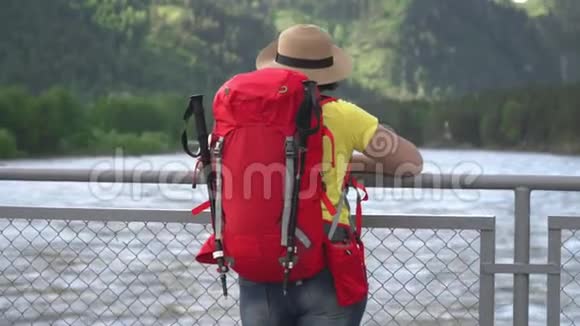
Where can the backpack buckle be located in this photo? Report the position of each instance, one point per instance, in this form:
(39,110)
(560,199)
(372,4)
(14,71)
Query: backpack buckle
(217,149)
(289,147)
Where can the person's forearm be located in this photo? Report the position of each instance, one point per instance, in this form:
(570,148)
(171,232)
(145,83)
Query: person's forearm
(362,163)
(405,161)
(388,153)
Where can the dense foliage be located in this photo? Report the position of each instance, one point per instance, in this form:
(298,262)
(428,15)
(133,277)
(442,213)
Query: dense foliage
(57,122)
(85,76)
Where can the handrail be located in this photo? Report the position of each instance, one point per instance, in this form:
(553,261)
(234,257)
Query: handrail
(520,185)
(427,180)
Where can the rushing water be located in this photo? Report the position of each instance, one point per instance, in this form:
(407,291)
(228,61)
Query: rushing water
(472,202)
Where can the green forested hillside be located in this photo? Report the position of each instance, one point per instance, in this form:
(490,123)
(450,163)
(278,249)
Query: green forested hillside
(102,72)
(96,47)
(403,48)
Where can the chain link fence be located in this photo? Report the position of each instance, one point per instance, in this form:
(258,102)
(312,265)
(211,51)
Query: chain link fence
(423,277)
(570,278)
(60,272)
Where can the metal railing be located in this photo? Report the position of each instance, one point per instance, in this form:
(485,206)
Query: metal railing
(83,266)
(422,268)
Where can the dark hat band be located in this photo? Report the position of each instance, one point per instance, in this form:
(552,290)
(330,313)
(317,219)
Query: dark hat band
(304,63)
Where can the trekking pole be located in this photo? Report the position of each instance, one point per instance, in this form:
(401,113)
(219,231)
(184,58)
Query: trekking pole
(303,122)
(204,156)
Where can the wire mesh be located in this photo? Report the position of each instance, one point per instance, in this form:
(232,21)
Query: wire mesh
(570,278)
(423,277)
(143,273)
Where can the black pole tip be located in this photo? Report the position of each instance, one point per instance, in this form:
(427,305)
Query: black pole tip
(196,97)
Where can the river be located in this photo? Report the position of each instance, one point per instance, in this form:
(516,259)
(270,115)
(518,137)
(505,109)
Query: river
(473,202)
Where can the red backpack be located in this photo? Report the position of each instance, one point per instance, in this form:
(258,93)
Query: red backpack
(266,157)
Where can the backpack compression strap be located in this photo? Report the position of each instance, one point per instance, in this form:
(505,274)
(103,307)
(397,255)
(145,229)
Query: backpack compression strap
(290,150)
(356,224)
(308,109)
(288,186)
(337,212)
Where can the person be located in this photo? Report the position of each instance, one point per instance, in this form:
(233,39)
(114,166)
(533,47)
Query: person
(309,49)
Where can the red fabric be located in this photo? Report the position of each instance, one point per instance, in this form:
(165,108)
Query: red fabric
(201,207)
(346,262)
(255,112)
(358,217)
(360,186)
(205,254)
(327,99)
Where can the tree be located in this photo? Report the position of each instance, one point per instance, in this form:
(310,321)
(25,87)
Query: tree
(8,147)
(568,14)
(513,121)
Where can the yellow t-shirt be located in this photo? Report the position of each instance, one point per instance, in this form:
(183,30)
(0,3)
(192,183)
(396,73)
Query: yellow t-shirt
(352,128)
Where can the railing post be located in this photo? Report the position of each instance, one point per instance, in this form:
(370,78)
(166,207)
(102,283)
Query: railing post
(521,256)
(554,257)
(487,280)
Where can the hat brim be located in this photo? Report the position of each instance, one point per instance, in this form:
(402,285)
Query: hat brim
(340,70)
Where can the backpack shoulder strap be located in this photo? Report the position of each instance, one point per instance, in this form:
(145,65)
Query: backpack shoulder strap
(327,99)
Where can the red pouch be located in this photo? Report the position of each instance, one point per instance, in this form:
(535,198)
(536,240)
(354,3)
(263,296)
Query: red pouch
(346,262)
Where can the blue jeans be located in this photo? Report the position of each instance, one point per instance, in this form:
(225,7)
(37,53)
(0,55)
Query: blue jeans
(312,302)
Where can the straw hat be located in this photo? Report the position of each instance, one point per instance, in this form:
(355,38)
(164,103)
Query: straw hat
(309,49)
